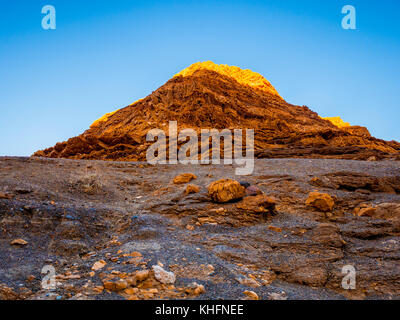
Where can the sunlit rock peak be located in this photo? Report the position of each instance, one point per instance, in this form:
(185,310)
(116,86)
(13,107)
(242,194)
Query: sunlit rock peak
(338,122)
(246,77)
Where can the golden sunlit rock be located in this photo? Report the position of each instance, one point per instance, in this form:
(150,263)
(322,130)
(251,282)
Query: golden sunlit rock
(338,122)
(103,118)
(246,77)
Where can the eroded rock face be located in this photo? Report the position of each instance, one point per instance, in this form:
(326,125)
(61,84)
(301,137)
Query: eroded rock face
(184,178)
(211,96)
(320,201)
(358,181)
(225,190)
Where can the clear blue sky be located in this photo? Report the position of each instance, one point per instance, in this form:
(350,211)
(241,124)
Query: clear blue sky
(105,55)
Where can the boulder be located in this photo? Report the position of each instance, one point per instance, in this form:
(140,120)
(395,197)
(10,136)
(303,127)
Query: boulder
(225,190)
(320,201)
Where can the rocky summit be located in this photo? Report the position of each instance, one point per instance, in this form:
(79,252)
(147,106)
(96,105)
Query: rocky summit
(211,96)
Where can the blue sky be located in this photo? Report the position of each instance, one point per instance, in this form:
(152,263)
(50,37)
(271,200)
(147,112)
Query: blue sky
(105,55)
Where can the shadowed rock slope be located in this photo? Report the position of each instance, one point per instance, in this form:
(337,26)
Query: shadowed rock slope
(207,95)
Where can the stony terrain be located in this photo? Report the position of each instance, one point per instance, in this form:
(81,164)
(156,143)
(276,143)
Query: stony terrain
(124,230)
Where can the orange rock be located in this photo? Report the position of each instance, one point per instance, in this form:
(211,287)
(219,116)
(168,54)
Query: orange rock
(225,190)
(135,254)
(5,195)
(369,212)
(109,285)
(257,204)
(131,291)
(321,201)
(99,265)
(252,295)
(276,229)
(184,178)
(142,275)
(199,290)
(192,189)
(19,242)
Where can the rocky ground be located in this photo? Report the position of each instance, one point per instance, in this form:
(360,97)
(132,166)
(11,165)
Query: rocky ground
(123,230)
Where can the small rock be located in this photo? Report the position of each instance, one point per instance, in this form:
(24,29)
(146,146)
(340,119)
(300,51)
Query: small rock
(277,296)
(142,275)
(99,265)
(328,234)
(369,212)
(245,184)
(199,290)
(121,285)
(19,242)
(225,190)
(253,191)
(251,294)
(195,289)
(192,189)
(31,278)
(249,282)
(189,227)
(276,229)
(184,178)
(258,204)
(163,276)
(131,291)
(23,191)
(320,201)
(6,195)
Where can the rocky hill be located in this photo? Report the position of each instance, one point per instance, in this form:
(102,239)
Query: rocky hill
(207,95)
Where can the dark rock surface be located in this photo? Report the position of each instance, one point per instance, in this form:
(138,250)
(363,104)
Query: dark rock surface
(132,216)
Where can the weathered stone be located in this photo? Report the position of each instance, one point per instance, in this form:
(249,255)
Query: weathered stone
(163,276)
(99,265)
(251,295)
(19,242)
(277,296)
(328,234)
(6,195)
(253,191)
(321,201)
(184,178)
(121,284)
(142,275)
(257,204)
(250,282)
(192,189)
(225,190)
